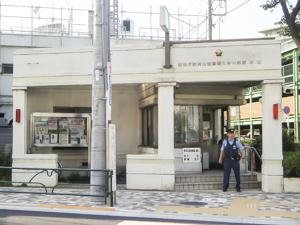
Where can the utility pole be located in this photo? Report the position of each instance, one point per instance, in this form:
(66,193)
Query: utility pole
(210,20)
(99,93)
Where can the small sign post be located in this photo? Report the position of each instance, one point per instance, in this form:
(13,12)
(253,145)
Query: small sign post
(287,111)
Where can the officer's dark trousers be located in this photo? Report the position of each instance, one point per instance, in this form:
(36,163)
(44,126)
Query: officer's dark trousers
(235,165)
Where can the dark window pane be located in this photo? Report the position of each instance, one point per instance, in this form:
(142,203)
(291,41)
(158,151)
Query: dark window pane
(149,126)
(7,68)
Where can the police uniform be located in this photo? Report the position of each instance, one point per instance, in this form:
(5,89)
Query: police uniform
(231,148)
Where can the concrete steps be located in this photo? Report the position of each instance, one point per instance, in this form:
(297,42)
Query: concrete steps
(213,181)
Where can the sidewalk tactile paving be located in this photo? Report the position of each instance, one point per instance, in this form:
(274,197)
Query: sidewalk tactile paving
(247,204)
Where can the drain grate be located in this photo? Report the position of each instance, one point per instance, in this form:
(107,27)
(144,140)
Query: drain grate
(194,203)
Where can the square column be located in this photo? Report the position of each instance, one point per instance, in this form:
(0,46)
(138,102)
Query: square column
(19,152)
(166,120)
(272,170)
(20,128)
(156,171)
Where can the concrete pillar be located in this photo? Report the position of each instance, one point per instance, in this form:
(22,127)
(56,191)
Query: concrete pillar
(166,120)
(272,170)
(20,128)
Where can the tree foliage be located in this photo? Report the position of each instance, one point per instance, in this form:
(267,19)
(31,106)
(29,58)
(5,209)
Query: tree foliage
(290,17)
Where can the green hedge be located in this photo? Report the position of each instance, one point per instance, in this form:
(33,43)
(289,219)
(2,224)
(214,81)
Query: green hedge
(291,164)
(5,160)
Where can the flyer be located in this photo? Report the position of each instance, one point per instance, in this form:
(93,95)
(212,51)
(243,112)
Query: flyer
(83,140)
(52,123)
(46,139)
(53,138)
(64,138)
(75,140)
(76,125)
(63,124)
(41,126)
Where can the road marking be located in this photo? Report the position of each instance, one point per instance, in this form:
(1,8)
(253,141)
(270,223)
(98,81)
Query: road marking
(75,207)
(240,207)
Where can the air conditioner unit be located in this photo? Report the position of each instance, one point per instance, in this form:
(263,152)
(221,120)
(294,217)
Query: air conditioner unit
(287,90)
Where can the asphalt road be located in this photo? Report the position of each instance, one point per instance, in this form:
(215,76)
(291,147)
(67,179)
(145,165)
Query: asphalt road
(12,217)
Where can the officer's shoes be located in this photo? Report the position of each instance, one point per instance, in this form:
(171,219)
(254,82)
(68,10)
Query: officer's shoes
(224,189)
(238,190)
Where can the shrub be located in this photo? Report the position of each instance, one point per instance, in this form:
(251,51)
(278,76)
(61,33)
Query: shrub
(73,177)
(291,164)
(5,160)
(288,144)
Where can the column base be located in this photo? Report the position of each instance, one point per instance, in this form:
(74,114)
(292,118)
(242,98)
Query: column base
(272,183)
(149,172)
(272,175)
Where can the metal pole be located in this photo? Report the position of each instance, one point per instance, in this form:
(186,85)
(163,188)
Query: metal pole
(209,20)
(167,51)
(296,101)
(31,24)
(61,26)
(150,22)
(189,28)
(178,24)
(250,116)
(239,121)
(288,124)
(101,56)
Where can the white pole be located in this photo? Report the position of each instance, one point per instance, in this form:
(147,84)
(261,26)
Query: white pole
(210,20)
(99,131)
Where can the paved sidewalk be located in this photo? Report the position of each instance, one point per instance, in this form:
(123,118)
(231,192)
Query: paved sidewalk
(245,207)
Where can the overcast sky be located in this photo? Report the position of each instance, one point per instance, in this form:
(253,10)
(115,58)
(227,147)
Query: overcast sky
(243,22)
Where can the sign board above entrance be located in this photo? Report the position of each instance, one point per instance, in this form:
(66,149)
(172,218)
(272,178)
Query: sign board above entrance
(191,155)
(164,19)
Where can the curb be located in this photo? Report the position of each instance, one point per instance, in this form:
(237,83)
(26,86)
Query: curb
(135,215)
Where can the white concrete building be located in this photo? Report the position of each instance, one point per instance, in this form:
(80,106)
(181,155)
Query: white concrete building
(9,43)
(158,112)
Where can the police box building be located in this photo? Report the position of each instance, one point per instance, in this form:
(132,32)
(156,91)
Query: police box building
(168,121)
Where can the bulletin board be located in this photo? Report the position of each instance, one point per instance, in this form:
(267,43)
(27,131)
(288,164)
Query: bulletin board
(60,129)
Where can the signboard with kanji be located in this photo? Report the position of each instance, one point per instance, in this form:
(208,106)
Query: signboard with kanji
(190,155)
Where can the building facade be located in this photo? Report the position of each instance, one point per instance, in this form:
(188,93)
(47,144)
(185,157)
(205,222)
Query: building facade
(159,113)
(248,117)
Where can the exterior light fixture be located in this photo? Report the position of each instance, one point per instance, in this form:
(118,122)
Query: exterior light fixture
(219,52)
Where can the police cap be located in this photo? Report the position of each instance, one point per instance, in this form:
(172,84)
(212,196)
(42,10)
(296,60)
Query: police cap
(230,130)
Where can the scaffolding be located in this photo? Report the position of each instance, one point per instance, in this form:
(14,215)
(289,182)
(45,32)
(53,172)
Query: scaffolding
(64,21)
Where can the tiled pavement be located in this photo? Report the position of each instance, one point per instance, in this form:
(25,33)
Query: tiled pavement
(210,204)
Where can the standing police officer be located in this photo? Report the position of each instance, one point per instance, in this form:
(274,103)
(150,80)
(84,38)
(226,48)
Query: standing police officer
(231,152)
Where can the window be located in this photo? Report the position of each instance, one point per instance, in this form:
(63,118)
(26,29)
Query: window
(150,126)
(126,25)
(72,109)
(186,124)
(7,68)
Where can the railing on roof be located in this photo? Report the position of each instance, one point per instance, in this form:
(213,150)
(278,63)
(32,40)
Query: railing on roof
(62,21)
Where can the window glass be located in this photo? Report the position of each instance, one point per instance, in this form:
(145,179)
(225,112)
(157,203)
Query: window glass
(7,68)
(186,124)
(149,126)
